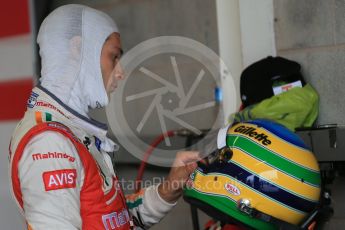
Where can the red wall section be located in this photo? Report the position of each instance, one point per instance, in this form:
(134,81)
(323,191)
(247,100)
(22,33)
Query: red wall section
(14,17)
(14,95)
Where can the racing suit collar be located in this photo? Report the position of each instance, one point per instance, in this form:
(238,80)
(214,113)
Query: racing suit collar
(73,119)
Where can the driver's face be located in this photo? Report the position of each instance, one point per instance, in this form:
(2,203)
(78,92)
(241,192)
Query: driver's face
(111,69)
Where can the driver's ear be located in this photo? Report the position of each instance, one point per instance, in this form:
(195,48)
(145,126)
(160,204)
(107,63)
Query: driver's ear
(75,47)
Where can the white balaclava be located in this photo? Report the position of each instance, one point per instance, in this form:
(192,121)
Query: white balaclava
(71,40)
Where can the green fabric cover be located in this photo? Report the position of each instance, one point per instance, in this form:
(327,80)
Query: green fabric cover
(295,108)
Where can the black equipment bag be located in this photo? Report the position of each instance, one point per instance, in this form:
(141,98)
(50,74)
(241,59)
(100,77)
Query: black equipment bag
(257,80)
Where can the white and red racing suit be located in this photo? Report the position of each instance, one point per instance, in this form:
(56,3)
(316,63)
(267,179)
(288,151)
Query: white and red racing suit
(62,177)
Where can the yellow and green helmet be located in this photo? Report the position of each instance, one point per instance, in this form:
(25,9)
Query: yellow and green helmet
(263,175)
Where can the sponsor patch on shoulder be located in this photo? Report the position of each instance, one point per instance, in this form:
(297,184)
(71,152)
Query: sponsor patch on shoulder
(32,100)
(59,179)
(62,127)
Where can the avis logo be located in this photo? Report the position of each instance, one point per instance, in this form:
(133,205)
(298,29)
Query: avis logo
(232,189)
(60,179)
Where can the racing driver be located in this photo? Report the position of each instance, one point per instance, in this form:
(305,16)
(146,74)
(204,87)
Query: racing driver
(61,174)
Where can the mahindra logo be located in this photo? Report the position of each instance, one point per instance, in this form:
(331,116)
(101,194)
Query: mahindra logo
(52,155)
(251,132)
(48,105)
(115,220)
(232,189)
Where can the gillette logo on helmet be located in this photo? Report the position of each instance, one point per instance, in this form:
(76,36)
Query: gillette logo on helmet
(251,132)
